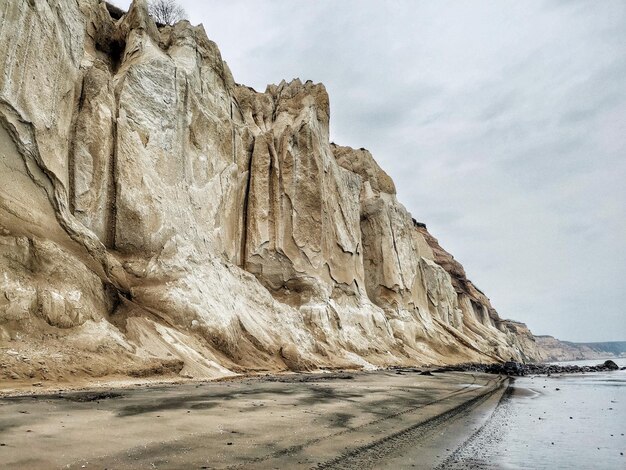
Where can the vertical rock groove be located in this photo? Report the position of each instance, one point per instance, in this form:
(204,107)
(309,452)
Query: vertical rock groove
(111,218)
(71,157)
(232,131)
(246,203)
(273,206)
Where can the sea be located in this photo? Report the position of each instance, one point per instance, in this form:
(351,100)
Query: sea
(569,421)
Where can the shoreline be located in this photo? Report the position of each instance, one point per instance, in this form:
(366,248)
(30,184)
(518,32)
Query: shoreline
(373,418)
(393,418)
(575,420)
(125,382)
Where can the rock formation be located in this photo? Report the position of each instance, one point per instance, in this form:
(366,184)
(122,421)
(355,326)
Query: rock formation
(157,217)
(554,350)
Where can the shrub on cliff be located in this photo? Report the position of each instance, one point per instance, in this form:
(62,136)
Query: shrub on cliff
(166,12)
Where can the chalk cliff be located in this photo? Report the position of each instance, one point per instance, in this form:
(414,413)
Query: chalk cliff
(158,218)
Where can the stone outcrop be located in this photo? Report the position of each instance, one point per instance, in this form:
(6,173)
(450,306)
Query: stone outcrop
(156,217)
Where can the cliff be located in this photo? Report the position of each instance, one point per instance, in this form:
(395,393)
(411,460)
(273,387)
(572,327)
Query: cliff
(555,350)
(156,217)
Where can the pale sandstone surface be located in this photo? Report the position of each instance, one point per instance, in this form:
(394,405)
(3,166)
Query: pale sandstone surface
(158,218)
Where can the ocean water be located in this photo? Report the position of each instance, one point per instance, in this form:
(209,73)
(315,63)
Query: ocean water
(574,421)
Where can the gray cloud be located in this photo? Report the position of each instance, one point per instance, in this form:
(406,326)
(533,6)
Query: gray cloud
(503,124)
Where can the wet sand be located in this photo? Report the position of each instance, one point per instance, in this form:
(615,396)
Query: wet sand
(547,422)
(382,419)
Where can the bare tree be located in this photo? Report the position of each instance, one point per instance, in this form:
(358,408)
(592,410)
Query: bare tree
(166,11)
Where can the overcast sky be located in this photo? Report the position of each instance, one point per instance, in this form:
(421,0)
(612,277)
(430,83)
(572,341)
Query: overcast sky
(503,124)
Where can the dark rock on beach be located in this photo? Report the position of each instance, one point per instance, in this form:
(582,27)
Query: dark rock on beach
(519,369)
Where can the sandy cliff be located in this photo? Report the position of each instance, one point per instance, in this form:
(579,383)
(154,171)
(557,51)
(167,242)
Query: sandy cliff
(156,217)
(552,349)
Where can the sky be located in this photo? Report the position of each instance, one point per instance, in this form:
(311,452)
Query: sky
(502,123)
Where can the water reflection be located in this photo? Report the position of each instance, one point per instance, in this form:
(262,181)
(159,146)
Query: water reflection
(561,421)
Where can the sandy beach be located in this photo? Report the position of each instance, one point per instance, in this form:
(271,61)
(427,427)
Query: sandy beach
(382,419)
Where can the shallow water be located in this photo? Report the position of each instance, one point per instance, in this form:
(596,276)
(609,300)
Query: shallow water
(567,421)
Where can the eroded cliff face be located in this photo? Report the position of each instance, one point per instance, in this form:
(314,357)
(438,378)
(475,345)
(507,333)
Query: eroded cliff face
(157,217)
(555,350)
